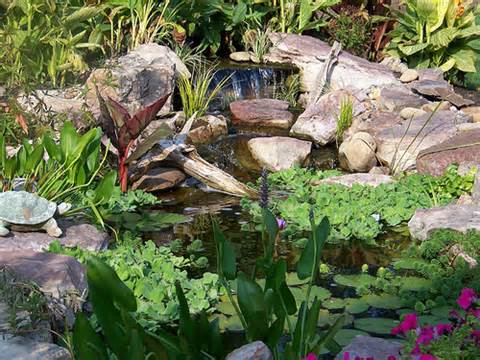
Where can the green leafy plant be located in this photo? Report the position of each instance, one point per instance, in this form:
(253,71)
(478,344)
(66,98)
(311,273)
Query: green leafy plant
(289,90)
(345,118)
(264,311)
(436,34)
(46,40)
(357,212)
(258,42)
(196,92)
(123,129)
(151,272)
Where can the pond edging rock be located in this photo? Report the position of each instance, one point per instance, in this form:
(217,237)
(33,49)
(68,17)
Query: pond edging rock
(371,347)
(83,235)
(254,351)
(20,348)
(461,218)
(270,113)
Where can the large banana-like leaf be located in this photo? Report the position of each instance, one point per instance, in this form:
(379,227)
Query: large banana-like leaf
(470,31)
(448,65)
(465,60)
(412,49)
(443,37)
(441,7)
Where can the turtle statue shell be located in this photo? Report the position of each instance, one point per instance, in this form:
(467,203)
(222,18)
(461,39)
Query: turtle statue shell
(24,208)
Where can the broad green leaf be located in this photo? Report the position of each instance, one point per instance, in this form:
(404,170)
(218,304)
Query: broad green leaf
(465,60)
(412,49)
(87,344)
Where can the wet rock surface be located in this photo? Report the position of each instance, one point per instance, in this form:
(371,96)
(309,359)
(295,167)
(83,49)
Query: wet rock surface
(461,149)
(279,153)
(269,113)
(56,275)
(453,217)
(83,235)
(20,348)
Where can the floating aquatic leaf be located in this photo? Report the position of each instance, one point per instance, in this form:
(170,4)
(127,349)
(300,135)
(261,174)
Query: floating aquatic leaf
(334,303)
(356,306)
(384,301)
(345,336)
(378,326)
(293,280)
(413,283)
(354,280)
(226,308)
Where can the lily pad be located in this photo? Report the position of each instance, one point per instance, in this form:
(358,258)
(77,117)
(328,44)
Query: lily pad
(432,320)
(355,281)
(356,306)
(226,308)
(384,301)
(345,336)
(293,280)
(233,323)
(378,326)
(441,311)
(317,291)
(413,283)
(402,312)
(334,303)
(326,318)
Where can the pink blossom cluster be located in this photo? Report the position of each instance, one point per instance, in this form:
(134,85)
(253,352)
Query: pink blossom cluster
(426,334)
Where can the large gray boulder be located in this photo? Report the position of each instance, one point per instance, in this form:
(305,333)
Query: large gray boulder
(138,78)
(453,217)
(308,54)
(318,122)
(399,145)
(56,275)
(279,153)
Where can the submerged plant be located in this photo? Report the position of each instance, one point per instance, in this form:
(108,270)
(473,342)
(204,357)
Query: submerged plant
(123,129)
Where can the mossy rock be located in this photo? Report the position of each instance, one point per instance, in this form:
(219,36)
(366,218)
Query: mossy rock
(377,326)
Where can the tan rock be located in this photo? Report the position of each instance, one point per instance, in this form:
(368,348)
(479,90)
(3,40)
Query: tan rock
(409,112)
(358,152)
(474,112)
(240,56)
(409,76)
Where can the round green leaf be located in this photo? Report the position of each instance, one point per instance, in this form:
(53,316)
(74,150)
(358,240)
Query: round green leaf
(377,326)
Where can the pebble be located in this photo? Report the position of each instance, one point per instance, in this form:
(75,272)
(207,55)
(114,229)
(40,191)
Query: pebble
(409,76)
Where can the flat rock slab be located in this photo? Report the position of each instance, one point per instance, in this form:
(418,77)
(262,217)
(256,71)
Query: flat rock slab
(463,148)
(308,54)
(357,179)
(453,217)
(440,89)
(207,129)
(160,178)
(20,348)
(279,153)
(253,351)
(85,236)
(398,146)
(368,347)
(319,121)
(395,98)
(261,113)
(56,275)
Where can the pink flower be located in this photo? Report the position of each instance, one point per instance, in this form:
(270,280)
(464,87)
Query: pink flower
(426,335)
(476,336)
(441,329)
(346,355)
(409,323)
(427,357)
(476,313)
(311,356)
(392,357)
(466,298)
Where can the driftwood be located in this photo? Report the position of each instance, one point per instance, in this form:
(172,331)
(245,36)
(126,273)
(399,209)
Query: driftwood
(321,80)
(186,158)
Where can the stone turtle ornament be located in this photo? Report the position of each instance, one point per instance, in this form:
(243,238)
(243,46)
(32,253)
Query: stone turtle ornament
(24,211)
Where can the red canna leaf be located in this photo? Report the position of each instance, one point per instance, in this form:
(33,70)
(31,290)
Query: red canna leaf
(119,114)
(144,117)
(106,121)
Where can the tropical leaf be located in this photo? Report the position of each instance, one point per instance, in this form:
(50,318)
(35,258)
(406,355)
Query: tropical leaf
(412,49)
(465,60)
(448,65)
(443,37)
